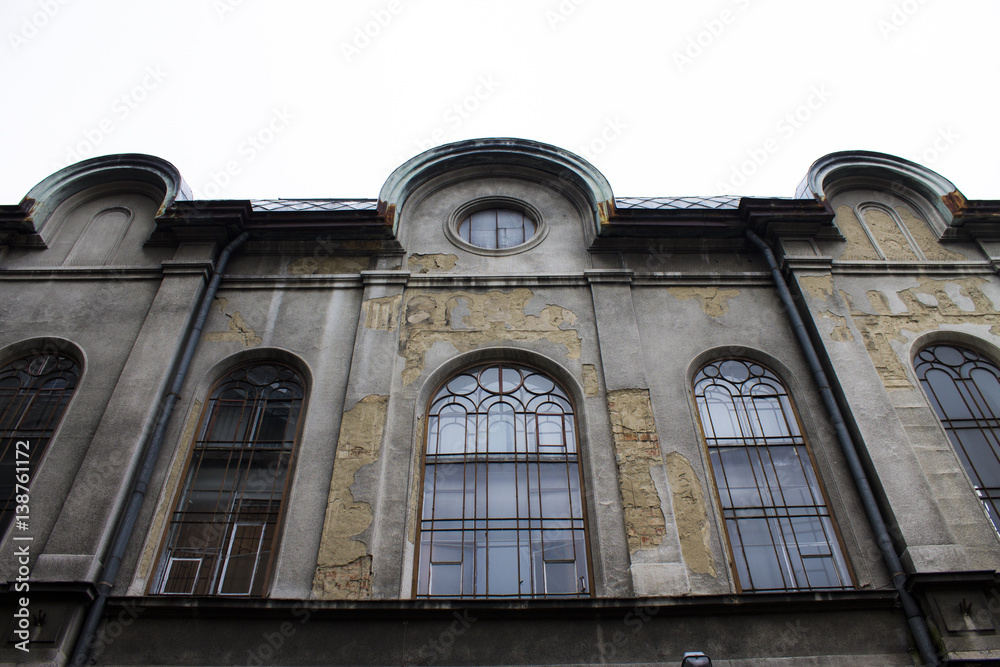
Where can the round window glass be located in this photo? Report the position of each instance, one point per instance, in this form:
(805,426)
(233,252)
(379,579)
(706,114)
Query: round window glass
(496,228)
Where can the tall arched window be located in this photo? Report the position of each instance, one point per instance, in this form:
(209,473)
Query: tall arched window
(502,513)
(34,392)
(224,528)
(781,532)
(964,388)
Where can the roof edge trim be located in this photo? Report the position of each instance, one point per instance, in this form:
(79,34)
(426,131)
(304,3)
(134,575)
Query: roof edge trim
(43,199)
(563,165)
(824,172)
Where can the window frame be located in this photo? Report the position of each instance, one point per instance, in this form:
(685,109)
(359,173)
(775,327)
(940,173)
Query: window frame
(795,417)
(451,224)
(982,494)
(434,397)
(36,456)
(158,578)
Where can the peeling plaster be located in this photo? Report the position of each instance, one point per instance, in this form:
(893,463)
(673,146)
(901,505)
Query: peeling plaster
(714,300)
(926,238)
(239,330)
(382,312)
(466,320)
(690,514)
(637,449)
(343,568)
(818,287)
(591,383)
(330,264)
(890,237)
(432,263)
(932,304)
(858,244)
(840,331)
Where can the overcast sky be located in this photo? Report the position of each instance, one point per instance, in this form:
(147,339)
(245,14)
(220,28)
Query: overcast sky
(258,99)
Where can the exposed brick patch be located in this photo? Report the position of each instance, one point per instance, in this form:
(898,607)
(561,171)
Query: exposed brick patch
(352,581)
(637,448)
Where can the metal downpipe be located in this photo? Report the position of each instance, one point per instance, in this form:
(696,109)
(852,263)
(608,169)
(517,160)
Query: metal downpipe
(918,626)
(82,651)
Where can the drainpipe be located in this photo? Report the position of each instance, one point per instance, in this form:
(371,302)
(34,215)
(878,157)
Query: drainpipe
(139,487)
(918,626)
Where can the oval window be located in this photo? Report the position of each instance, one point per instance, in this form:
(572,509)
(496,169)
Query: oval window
(496,228)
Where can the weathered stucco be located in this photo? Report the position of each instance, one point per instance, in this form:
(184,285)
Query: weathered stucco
(690,514)
(858,245)
(926,238)
(591,384)
(713,300)
(330,264)
(916,309)
(239,331)
(382,312)
(840,332)
(889,236)
(637,448)
(466,320)
(343,568)
(431,263)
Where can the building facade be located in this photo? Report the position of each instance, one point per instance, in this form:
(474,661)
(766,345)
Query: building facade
(500,416)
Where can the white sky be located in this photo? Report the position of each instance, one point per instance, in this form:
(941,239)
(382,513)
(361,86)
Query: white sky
(664,98)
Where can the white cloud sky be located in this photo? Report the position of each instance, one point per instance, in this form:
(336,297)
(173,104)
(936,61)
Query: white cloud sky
(256,99)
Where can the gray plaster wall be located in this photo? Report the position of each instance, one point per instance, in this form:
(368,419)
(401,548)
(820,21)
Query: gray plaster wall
(678,338)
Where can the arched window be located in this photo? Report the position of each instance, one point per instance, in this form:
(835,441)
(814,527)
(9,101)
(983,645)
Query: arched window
(782,535)
(34,392)
(224,528)
(502,513)
(964,388)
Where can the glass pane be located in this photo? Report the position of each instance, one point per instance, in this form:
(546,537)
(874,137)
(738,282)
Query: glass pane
(760,554)
(947,394)
(719,414)
(501,428)
(560,578)
(736,477)
(484,229)
(451,424)
(445,579)
(550,431)
(447,487)
(981,455)
(502,491)
(503,563)
(988,391)
(554,490)
(241,564)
